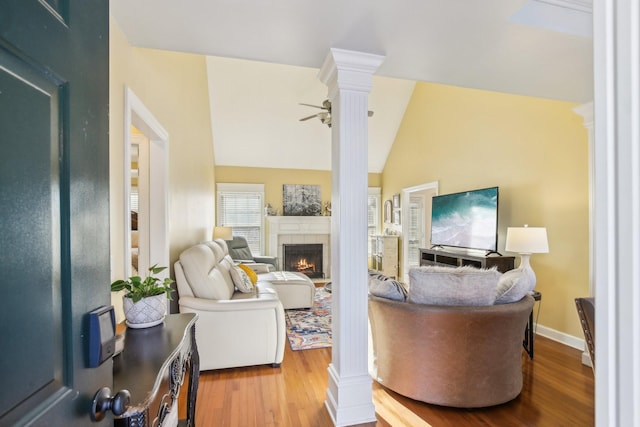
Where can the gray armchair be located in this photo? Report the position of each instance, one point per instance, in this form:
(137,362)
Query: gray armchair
(239,251)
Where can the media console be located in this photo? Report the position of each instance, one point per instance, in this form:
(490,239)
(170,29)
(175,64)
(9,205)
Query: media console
(459,259)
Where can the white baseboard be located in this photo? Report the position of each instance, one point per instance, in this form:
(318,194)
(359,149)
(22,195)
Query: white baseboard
(586,359)
(561,337)
(566,339)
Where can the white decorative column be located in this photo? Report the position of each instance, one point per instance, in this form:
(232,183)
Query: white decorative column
(348,76)
(616,26)
(586,111)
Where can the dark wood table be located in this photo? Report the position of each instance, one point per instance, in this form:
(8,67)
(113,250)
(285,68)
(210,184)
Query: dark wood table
(529,332)
(152,368)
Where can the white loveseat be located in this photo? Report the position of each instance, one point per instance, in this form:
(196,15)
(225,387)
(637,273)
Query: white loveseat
(234,328)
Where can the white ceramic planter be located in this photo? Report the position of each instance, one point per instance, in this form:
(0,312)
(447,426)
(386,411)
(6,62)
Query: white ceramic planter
(145,313)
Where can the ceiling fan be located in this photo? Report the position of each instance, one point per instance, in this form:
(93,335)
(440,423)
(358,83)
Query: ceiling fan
(324,116)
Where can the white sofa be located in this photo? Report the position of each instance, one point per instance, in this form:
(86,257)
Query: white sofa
(234,328)
(295,290)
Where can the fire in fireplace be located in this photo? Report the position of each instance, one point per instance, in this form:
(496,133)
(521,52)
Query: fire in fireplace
(304,258)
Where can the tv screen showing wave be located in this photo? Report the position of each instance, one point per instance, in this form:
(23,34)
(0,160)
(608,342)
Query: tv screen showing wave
(467,220)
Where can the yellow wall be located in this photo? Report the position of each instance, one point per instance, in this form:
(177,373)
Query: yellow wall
(173,86)
(535,150)
(273,180)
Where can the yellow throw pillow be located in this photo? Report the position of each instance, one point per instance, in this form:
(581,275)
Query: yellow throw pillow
(252,274)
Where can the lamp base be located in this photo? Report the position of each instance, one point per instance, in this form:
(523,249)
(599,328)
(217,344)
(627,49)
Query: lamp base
(525,265)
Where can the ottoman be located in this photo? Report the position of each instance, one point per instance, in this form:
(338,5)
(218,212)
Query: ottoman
(295,290)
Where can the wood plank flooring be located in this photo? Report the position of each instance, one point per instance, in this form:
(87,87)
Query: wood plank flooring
(558,391)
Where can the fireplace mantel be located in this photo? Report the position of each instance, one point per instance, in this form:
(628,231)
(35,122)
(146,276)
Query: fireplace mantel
(299,225)
(299,229)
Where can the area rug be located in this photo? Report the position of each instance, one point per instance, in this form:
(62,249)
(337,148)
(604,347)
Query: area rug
(311,328)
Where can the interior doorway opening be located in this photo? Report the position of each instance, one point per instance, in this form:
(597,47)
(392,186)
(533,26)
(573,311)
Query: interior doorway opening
(146,147)
(416,223)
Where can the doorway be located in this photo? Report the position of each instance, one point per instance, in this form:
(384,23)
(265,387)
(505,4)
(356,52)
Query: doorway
(146,197)
(416,223)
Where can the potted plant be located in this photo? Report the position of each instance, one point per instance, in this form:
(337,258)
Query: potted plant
(144,302)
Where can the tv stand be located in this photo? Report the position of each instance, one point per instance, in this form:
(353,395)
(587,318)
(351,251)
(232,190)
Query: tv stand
(458,259)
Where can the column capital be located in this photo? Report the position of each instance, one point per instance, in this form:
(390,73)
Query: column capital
(349,70)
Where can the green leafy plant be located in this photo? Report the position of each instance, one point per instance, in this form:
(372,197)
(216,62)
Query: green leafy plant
(137,288)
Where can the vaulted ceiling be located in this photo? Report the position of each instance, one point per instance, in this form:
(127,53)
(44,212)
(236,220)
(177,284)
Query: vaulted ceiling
(264,59)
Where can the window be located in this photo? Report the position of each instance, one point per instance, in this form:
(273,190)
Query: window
(373,213)
(240,206)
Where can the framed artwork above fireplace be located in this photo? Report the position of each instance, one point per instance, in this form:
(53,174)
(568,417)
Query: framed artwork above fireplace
(301,200)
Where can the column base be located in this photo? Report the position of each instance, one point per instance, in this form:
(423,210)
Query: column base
(349,400)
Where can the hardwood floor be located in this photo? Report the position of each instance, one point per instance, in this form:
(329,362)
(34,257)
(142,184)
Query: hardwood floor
(558,391)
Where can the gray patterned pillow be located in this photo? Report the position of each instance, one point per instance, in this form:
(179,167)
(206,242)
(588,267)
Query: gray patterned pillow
(453,286)
(241,279)
(385,287)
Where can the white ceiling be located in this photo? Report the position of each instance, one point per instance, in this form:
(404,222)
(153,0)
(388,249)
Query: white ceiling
(266,56)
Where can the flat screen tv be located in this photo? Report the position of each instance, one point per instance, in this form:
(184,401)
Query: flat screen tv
(466,220)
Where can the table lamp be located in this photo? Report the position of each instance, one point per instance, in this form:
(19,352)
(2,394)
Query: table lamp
(526,241)
(224,233)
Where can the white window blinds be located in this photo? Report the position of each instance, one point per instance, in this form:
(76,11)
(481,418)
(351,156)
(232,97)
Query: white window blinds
(240,206)
(373,212)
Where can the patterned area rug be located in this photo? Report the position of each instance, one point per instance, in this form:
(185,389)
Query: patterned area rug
(311,328)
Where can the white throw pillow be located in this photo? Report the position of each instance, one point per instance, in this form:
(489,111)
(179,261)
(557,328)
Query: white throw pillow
(241,279)
(513,286)
(449,286)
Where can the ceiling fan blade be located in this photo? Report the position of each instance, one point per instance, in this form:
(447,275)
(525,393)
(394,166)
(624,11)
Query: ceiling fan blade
(308,118)
(311,105)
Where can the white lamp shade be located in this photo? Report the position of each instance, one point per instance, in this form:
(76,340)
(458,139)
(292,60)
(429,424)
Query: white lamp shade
(527,240)
(224,233)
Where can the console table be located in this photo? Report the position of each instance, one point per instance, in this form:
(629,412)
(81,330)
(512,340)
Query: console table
(152,368)
(459,259)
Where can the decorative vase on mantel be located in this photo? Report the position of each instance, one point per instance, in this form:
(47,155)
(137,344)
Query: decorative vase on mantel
(147,312)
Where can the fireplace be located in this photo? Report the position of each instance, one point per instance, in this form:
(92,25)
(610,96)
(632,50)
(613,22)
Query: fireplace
(290,230)
(304,258)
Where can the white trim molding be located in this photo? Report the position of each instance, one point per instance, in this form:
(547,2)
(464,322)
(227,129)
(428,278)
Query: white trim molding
(154,239)
(586,111)
(617,211)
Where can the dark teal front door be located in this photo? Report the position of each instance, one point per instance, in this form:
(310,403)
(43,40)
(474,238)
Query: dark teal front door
(54,207)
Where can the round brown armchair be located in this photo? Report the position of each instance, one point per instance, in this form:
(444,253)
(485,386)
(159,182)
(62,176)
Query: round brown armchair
(466,357)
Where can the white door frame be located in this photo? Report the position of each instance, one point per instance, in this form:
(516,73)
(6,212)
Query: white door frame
(156,238)
(406,194)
